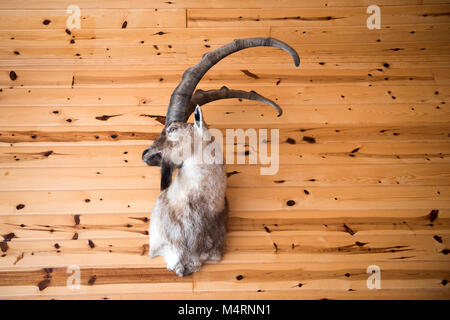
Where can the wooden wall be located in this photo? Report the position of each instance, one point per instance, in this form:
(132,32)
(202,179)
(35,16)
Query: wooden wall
(364,152)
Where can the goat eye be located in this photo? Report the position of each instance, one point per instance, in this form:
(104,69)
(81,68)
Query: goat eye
(172,129)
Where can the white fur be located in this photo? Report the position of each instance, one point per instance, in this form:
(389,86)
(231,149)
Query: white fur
(156,241)
(189,180)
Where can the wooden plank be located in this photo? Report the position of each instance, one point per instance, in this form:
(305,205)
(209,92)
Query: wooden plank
(371,153)
(316,276)
(237,114)
(301,95)
(31,179)
(261,223)
(148,55)
(316,54)
(239,249)
(352,134)
(84,136)
(109,38)
(223,67)
(71,156)
(389,51)
(54,281)
(301,153)
(326,248)
(313,175)
(84,116)
(93,18)
(118,4)
(394,197)
(89,226)
(314,17)
(37,77)
(177,53)
(30,78)
(128,135)
(255,278)
(245,199)
(243,62)
(433,294)
(395,34)
(362,222)
(114,154)
(199,37)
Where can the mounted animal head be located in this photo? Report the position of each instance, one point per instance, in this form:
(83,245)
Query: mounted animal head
(177,132)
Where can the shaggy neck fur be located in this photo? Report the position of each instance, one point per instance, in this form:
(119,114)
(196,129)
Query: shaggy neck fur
(195,180)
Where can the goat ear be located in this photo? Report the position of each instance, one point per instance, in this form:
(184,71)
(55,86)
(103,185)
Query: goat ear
(166,174)
(198,118)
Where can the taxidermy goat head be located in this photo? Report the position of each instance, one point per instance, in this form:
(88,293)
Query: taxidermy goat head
(188,222)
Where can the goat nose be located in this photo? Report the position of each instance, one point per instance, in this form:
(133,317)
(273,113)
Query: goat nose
(144,153)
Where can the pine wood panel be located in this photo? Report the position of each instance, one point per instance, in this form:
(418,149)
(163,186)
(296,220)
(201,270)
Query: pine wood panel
(178,53)
(432,294)
(262,223)
(233,78)
(24,179)
(92,18)
(305,95)
(199,37)
(342,51)
(248,199)
(141,37)
(245,62)
(337,248)
(242,113)
(363,177)
(396,34)
(314,17)
(113,153)
(308,278)
(119,4)
(315,276)
(100,280)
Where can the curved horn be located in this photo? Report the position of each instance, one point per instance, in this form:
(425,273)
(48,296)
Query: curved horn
(201,97)
(181,96)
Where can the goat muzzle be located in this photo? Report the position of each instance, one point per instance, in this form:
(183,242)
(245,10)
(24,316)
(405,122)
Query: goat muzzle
(151,158)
